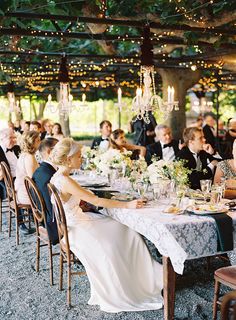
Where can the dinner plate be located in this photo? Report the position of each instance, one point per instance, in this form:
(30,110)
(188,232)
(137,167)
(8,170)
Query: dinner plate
(207,209)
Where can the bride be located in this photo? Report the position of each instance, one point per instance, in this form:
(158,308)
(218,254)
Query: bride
(122,274)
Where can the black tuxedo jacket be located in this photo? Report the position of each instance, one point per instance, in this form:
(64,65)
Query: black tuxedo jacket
(96,142)
(16,150)
(42,177)
(156,149)
(209,136)
(196,175)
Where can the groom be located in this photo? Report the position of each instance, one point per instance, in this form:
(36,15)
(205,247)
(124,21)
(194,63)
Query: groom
(42,177)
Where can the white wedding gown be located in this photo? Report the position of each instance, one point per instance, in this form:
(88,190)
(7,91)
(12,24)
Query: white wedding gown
(122,274)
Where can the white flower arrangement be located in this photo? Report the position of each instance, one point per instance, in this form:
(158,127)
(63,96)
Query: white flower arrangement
(112,159)
(172,170)
(88,156)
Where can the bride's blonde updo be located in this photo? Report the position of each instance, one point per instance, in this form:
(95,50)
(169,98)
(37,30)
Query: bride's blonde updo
(63,149)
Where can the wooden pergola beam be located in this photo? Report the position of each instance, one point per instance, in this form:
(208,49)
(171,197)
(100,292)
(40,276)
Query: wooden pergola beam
(119,22)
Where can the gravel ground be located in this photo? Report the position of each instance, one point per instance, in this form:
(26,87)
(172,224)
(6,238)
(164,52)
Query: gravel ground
(25,294)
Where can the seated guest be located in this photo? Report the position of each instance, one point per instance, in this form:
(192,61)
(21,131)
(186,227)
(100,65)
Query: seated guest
(209,130)
(25,126)
(229,139)
(26,164)
(41,177)
(9,153)
(57,131)
(198,156)
(226,169)
(103,141)
(35,126)
(165,148)
(118,141)
(47,126)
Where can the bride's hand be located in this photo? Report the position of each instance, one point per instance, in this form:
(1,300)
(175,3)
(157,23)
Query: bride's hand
(135,204)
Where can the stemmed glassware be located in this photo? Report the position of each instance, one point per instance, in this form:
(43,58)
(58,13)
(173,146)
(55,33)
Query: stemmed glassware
(142,188)
(205,187)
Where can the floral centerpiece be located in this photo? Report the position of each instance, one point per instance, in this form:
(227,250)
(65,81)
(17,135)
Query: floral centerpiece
(88,156)
(112,159)
(172,170)
(138,171)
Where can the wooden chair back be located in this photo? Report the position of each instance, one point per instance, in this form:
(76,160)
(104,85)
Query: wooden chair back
(36,201)
(8,180)
(228,306)
(59,213)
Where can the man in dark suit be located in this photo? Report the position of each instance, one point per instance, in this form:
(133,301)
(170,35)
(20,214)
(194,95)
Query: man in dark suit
(165,148)
(103,141)
(144,133)
(9,153)
(209,130)
(42,177)
(198,156)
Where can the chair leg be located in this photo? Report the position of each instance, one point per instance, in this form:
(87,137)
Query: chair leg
(50,263)
(9,230)
(37,254)
(61,272)
(216,295)
(0,215)
(17,232)
(69,284)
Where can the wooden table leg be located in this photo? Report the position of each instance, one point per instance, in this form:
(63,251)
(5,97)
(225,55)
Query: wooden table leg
(169,289)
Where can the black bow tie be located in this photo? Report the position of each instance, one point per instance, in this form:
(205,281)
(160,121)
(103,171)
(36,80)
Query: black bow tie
(167,145)
(9,149)
(105,139)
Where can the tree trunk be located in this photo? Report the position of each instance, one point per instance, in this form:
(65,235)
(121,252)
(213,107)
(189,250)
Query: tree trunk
(42,106)
(181,80)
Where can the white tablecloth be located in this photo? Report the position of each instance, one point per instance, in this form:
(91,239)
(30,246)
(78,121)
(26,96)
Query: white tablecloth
(178,237)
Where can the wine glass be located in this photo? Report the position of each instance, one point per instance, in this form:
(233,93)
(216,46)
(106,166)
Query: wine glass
(141,188)
(205,187)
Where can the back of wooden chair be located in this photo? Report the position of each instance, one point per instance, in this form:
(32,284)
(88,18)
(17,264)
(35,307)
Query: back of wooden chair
(59,213)
(228,306)
(36,201)
(8,180)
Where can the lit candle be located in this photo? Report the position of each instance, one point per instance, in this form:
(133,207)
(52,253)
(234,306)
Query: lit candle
(173,95)
(119,92)
(83,97)
(138,95)
(49,98)
(70,97)
(169,94)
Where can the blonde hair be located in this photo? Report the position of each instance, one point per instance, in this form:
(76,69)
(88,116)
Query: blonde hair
(27,143)
(65,148)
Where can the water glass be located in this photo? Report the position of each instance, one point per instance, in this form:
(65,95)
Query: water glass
(156,191)
(205,187)
(216,194)
(141,188)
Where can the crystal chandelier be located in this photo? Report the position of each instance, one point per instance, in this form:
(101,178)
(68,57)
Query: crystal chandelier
(146,99)
(65,99)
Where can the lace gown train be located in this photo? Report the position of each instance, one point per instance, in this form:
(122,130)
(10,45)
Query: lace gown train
(122,274)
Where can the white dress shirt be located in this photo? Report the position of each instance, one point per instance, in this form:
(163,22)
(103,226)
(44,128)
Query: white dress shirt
(104,144)
(168,153)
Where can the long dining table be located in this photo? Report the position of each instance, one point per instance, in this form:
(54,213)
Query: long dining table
(177,237)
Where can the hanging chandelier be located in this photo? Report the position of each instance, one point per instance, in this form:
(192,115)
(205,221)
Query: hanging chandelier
(146,99)
(65,99)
